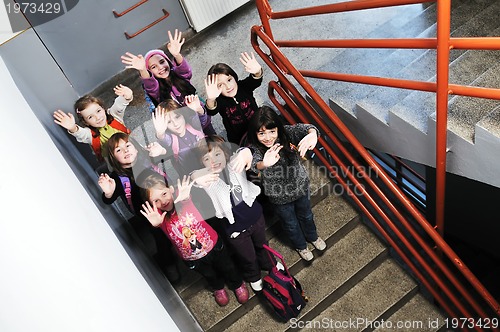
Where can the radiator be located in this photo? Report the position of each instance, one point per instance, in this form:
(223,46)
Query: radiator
(202,13)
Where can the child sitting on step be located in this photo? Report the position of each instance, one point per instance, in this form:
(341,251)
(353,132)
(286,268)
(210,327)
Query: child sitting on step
(97,124)
(196,242)
(277,153)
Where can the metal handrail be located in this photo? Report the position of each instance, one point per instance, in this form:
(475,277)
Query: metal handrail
(281,66)
(165,15)
(400,175)
(129,8)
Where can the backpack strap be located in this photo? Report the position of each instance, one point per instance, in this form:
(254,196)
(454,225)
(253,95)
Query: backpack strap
(127,188)
(175,139)
(96,145)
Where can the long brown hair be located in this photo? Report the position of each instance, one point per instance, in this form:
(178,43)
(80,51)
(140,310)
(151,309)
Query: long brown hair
(113,142)
(153,180)
(268,118)
(84,102)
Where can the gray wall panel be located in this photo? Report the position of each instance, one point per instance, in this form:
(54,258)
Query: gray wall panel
(88,40)
(45,89)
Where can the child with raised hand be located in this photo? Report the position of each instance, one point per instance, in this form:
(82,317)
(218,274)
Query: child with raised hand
(277,152)
(129,160)
(164,79)
(196,242)
(234,198)
(233,99)
(97,124)
(178,129)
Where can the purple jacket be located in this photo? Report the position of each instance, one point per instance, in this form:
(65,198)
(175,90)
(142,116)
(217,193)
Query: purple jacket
(152,86)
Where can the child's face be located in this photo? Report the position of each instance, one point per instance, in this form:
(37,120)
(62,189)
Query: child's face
(215,160)
(162,198)
(94,115)
(125,153)
(267,137)
(176,123)
(159,66)
(227,84)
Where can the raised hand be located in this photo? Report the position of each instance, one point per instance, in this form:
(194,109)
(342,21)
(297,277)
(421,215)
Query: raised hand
(204,177)
(152,215)
(211,88)
(250,63)
(176,42)
(242,160)
(134,61)
(155,149)
(65,120)
(124,91)
(107,184)
(272,156)
(308,142)
(183,189)
(193,102)
(160,122)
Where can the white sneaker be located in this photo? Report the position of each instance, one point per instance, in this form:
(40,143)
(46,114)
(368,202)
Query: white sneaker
(319,244)
(306,254)
(256,285)
(280,266)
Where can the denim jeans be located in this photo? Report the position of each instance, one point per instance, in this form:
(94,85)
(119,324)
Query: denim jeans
(297,221)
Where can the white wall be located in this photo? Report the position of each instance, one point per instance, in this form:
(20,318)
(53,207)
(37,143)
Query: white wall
(63,268)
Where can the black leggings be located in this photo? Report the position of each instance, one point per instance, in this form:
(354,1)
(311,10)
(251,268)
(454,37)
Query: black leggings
(217,267)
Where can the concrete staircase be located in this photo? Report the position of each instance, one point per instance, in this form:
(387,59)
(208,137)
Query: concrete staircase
(355,279)
(402,122)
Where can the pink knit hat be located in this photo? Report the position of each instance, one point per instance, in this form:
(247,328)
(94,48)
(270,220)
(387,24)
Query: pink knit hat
(157,52)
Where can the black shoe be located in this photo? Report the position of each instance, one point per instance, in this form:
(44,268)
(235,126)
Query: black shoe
(172,273)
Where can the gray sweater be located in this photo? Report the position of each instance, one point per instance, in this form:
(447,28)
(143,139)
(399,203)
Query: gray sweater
(285,181)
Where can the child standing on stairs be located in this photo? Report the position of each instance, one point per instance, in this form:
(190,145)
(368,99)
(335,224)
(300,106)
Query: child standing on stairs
(178,129)
(277,152)
(196,242)
(234,198)
(164,79)
(232,98)
(97,123)
(128,161)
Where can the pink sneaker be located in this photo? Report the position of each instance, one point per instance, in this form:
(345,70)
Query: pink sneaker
(221,297)
(241,293)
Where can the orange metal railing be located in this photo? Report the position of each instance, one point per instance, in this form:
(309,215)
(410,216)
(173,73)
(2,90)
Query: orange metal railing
(418,243)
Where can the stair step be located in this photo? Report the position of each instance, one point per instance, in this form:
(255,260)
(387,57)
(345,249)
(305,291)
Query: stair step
(419,105)
(413,21)
(424,68)
(333,215)
(335,267)
(465,112)
(381,291)
(490,122)
(424,317)
(320,187)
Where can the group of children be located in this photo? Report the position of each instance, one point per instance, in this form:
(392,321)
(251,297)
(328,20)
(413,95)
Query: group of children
(213,204)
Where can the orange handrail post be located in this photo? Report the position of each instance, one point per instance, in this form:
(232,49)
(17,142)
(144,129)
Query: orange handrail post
(432,270)
(443,58)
